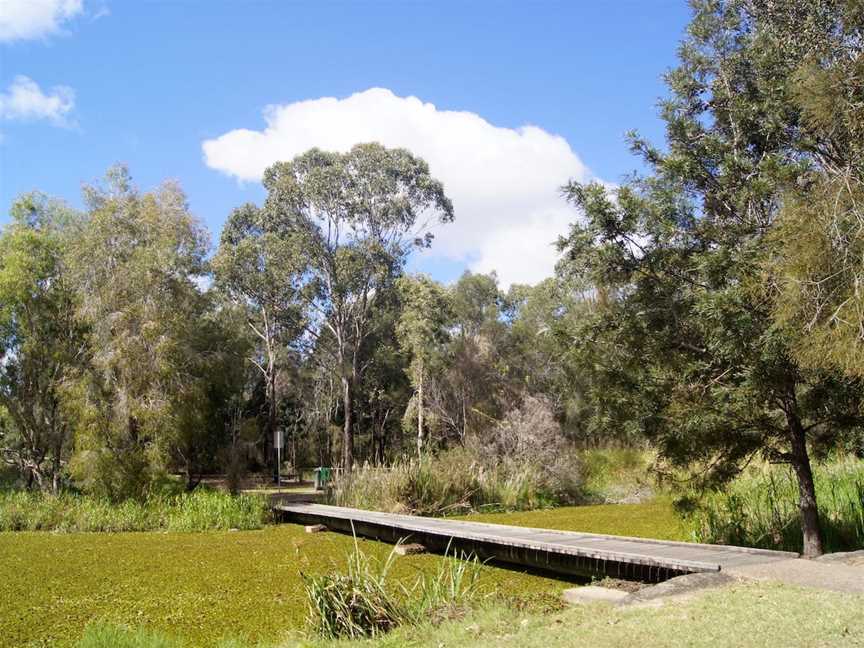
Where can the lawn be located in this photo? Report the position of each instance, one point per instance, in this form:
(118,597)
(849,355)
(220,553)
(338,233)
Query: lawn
(199,586)
(742,616)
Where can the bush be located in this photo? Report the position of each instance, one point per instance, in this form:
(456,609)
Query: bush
(362,603)
(760,508)
(197,511)
(455,481)
(523,463)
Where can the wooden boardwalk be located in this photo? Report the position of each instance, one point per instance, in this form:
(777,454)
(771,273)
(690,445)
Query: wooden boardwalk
(564,552)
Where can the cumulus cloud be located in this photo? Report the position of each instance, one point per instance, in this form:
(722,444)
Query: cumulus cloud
(504,183)
(27,19)
(24,100)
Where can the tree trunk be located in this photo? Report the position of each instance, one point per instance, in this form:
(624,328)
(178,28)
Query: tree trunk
(420,415)
(806,489)
(271,421)
(348,429)
(55,466)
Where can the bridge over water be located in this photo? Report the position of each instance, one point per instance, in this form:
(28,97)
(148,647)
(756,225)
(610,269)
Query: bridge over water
(570,553)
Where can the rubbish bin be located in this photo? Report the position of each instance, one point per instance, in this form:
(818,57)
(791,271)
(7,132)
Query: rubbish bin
(322,476)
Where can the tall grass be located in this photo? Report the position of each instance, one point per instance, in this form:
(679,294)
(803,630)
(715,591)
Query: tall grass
(363,603)
(760,508)
(456,482)
(197,511)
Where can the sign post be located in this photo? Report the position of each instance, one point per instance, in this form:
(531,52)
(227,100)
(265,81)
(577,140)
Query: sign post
(277,443)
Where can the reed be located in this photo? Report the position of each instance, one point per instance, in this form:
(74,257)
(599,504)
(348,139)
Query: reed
(455,482)
(200,510)
(362,602)
(760,508)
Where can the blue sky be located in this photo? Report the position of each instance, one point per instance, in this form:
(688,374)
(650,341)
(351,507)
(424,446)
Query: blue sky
(148,83)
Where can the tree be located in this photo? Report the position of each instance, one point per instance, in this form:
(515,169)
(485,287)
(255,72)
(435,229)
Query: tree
(135,264)
(40,340)
(684,346)
(355,218)
(818,268)
(422,328)
(259,267)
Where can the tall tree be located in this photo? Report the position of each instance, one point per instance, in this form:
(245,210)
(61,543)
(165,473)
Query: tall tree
(135,264)
(818,268)
(421,330)
(684,344)
(355,217)
(40,340)
(259,267)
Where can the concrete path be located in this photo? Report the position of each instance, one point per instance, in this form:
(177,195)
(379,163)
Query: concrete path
(821,574)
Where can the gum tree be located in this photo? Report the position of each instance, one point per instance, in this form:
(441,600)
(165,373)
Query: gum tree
(421,330)
(40,340)
(354,218)
(259,268)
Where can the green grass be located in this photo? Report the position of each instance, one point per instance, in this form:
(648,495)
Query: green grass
(200,510)
(745,615)
(654,519)
(199,586)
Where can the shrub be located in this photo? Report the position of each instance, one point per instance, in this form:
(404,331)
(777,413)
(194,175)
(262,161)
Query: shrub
(456,481)
(524,463)
(760,508)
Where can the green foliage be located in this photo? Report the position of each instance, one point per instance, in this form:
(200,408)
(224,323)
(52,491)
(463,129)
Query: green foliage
(200,510)
(199,588)
(144,390)
(759,509)
(683,345)
(362,602)
(353,218)
(817,268)
(39,339)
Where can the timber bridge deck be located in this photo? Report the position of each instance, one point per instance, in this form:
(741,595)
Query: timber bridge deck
(570,553)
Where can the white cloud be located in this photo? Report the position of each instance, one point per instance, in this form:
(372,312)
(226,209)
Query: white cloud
(24,100)
(27,19)
(504,183)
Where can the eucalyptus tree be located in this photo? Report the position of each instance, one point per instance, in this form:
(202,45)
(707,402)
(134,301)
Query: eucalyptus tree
(40,339)
(354,217)
(422,330)
(135,266)
(684,347)
(259,267)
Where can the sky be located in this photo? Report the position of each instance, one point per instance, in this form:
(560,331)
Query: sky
(506,101)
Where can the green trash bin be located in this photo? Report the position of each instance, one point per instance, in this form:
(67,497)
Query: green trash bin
(322,477)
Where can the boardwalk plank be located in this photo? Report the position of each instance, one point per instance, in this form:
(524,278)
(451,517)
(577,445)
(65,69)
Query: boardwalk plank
(565,552)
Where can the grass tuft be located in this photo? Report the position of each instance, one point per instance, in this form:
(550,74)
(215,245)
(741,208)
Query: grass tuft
(363,603)
(760,508)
